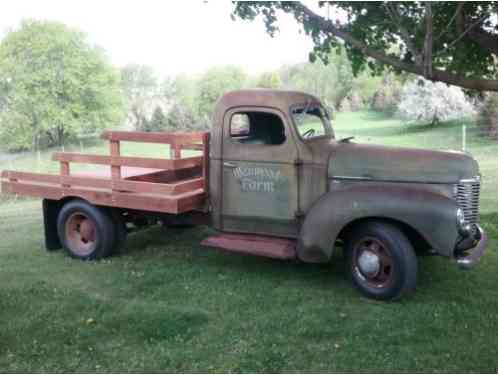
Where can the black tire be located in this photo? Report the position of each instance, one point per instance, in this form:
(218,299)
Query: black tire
(381,261)
(77,217)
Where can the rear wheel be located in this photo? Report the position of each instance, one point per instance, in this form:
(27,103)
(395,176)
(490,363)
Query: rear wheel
(381,260)
(85,231)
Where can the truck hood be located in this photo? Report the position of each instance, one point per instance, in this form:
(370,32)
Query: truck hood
(397,164)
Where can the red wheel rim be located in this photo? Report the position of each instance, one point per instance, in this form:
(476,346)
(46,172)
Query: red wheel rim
(373,263)
(80,234)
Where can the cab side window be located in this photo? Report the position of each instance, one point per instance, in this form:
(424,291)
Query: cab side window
(258,128)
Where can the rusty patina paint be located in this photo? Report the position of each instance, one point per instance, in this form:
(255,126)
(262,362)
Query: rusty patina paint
(270,247)
(329,184)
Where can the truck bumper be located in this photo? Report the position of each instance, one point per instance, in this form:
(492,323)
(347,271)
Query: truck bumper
(470,257)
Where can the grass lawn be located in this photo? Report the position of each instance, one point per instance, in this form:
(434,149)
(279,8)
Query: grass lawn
(166,304)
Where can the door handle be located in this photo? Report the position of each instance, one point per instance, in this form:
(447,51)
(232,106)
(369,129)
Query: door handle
(229,165)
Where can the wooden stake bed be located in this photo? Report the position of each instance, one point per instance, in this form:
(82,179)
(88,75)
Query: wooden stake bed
(172,185)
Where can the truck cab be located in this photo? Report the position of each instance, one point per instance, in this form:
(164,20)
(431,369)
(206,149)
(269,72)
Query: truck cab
(264,174)
(276,169)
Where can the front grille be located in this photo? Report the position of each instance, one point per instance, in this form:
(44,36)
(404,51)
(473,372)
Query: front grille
(466,193)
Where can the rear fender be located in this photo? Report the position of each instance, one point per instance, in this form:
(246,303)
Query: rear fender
(430,214)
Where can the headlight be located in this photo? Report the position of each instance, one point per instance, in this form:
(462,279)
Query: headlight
(463,227)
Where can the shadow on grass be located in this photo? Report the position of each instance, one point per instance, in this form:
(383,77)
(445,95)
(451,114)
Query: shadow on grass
(183,244)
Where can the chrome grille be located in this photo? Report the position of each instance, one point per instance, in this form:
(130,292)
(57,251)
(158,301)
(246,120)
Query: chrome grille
(466,193)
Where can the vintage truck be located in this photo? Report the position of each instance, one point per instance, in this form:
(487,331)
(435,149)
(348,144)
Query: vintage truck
(273,181)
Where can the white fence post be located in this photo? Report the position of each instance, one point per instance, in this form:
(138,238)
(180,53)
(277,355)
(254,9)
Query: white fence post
(464,137)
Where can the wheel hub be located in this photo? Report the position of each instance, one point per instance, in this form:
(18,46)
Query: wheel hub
(369,263)
(87,231)
(80,233)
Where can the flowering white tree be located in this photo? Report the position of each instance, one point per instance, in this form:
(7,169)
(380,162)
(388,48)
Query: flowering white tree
(429,102)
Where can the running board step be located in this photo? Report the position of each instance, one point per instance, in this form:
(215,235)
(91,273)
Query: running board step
(270,247)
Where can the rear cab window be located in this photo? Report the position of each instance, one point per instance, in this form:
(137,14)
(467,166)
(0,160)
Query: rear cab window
(257,128)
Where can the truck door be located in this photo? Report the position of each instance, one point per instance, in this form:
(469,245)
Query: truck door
(260,175)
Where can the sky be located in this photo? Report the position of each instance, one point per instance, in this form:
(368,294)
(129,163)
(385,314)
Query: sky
(171,36)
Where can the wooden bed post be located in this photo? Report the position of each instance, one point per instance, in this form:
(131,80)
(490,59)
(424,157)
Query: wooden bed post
(175,150)
(115,151)
(65,172)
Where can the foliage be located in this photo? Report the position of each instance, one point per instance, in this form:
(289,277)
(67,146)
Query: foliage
(181,118)
(158,121)
(428,102)
(142,91)
(185,91)
(54,85)
(331,82)
(452,42)
(269,80)
(387,95)
(488,115)
(213,84)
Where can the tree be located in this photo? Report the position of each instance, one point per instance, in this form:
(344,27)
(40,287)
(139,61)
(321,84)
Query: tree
(182,118)
(488,115)
(54,85)
(269,80)
(213,84)
(451,42)
(158,122)
(424,101)
(331,82)
(387,95)
(142,92)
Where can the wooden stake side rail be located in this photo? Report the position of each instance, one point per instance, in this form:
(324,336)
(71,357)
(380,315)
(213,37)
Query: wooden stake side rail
(172,197)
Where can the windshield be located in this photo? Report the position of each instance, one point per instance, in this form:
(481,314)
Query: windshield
(311,121)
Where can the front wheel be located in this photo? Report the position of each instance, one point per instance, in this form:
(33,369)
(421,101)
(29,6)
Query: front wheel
(381,260)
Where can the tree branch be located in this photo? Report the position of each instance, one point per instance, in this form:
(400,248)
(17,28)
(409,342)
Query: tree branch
(428,41)
(484,39)
(437,75)
(466,31)
(393,11)
(458,12)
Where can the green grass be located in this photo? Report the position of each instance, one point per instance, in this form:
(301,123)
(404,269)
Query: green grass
(167,305)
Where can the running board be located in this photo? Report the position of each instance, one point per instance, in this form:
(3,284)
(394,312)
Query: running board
(270,247)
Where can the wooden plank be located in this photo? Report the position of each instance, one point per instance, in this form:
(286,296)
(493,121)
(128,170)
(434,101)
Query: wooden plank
(175,151)
(158,188)
(192,201)
(81,158)
(188,185)
(193,146)
(92,182)
(115,151)
(64,171)
(146,202)
(32,177)
(129,161)
(153,137)
(32,190)
(103,183)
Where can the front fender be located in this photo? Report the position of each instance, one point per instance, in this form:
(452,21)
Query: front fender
(431,214)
